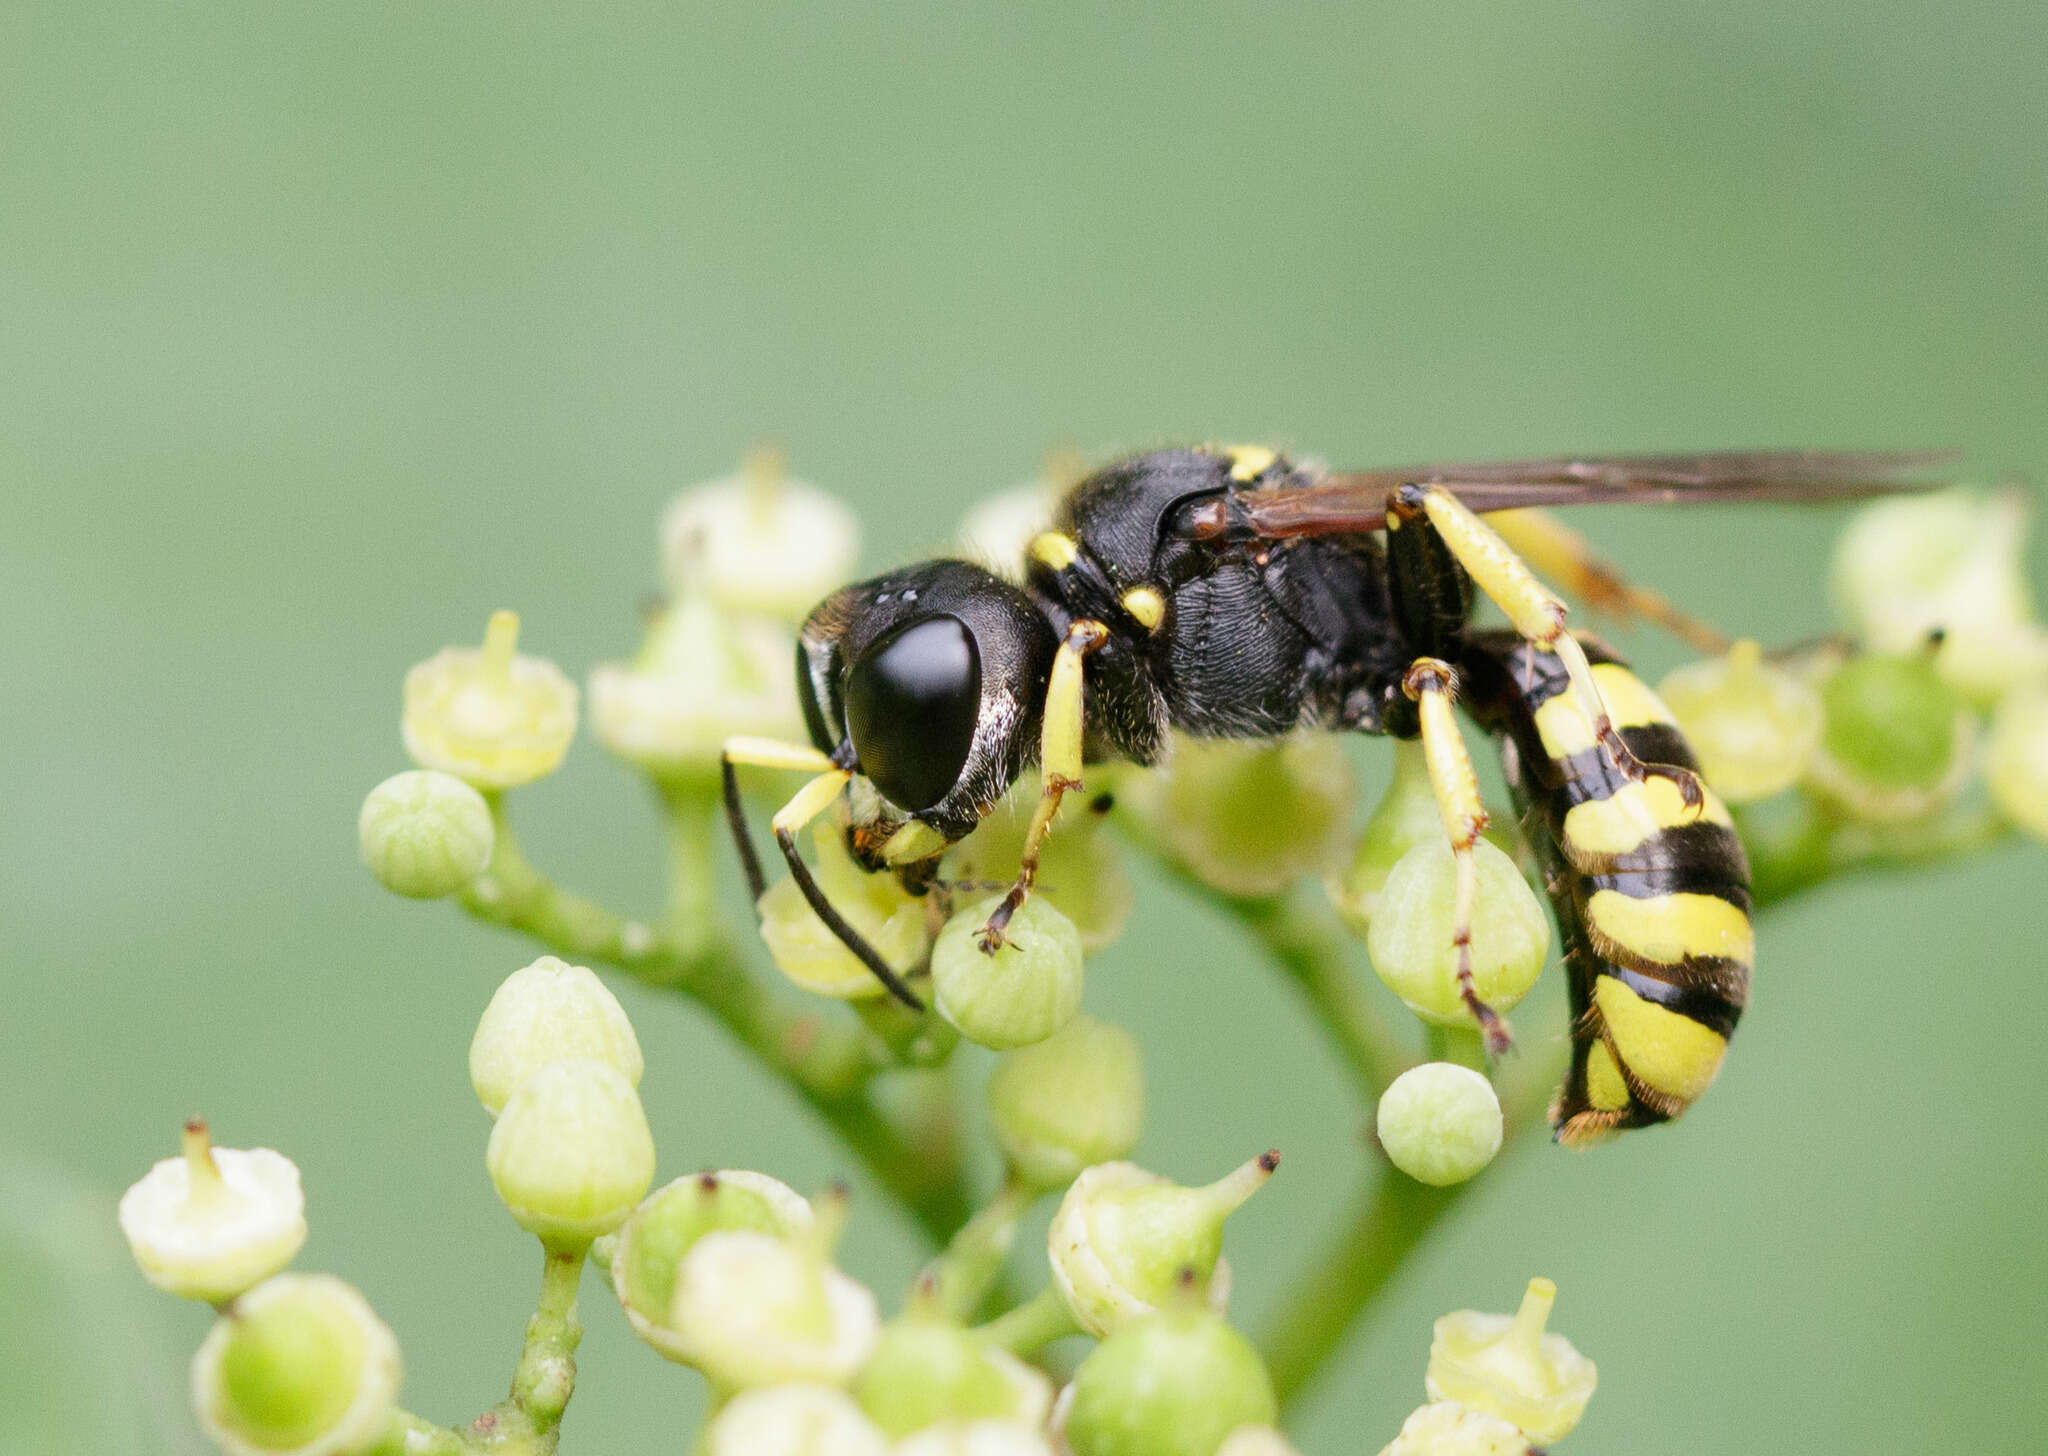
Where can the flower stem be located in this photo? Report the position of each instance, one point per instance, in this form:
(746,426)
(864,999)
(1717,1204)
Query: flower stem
(973,1261)
(546,1376)
(1033,1325)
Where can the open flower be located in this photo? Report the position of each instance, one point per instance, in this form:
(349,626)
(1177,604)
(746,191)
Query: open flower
(758,541)
(213,1222)
(489,716)
(1509,1366)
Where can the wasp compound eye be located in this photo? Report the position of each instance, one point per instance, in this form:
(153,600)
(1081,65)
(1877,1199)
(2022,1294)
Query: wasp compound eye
(911,704)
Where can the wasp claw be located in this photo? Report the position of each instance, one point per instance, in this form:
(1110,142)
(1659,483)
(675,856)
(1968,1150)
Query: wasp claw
(990,939)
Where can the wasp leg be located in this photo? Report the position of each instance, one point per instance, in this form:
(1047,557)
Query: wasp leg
(1537,614)
(1059,766)
(1555,550)
(1432,686)
(805,805)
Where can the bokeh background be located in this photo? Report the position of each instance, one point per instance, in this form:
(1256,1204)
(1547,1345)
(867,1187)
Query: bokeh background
(326,328)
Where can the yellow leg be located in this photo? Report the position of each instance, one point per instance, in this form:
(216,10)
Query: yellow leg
(1554,550)
(1538,615)
(1432,686)
(1059,766)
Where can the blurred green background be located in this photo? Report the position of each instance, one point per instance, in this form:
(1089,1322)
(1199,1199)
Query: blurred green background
(326,328)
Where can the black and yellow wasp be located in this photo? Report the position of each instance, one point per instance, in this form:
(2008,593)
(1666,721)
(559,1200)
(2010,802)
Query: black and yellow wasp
(1230,593)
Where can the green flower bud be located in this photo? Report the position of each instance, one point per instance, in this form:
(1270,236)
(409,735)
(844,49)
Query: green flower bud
(1172,1384)
(1898,739)
(490,717)
(425,834)
(890,920)
(1079,870)
(1256,1441)
(299,1364)
(1445,1428)
(1125,1241)
(1026,991)
(1512,1368)
(1953,563)
(1252,818)
(1406,816)
(571,1153)
(753,1309)
(927,1370)
(1440,1123)
(976,1438)
(648,1250)
(701,676)
(793,1420)
(1754,726)
(758,541)
(1071,1101)
(2016,770)
(548,1012)
(214,1222)
(1410,937)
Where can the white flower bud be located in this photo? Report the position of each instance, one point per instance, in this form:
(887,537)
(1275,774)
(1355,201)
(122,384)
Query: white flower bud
(1124,1241)
(1440,1123)
(649,1248)
(548,1012)
(425,834)
(1446,1428)
(793,1420)
(214,1222)
(702,675)
(1410,937)
(976,1438)
(2016,769)
(1069,1102)
(758,542)
(1256,1441)
(753,1309)
(876,905)
(298,1366)
(489,717)
(1025,992)
(571,1153)
(1510,1366)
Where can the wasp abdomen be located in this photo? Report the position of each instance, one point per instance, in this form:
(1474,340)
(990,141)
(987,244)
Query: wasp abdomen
(1651,893)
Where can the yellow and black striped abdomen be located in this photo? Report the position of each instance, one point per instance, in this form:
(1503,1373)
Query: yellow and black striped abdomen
(1651,893)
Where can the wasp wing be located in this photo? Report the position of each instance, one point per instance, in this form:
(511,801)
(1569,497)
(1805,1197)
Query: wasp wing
(1356,501)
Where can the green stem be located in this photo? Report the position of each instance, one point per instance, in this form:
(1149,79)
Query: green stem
(691,814)
(412,1436)
(546,1376)
(1033,1325)
(963,1275)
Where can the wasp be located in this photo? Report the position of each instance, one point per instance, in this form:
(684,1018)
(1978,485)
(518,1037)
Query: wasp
(1229,592)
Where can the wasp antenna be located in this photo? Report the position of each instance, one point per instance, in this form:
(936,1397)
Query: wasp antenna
(836,923)
(736,820)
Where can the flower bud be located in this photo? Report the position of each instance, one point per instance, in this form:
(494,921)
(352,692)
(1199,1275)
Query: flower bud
(648,1251)
(425,834)
(1251,818)
(489,717)
(1079,869)
(300,1364)
(753,1309)
(1124,1241)
(1445,1428)
(1440,1123)
(1256,1440)
(927,1370)
(2016,769)
(1410,937)
(1025,992)
(1953,563)
(976,1438)
(1174,1383)
(1406,816)
(548,1012)
(793,1420)
(758,541)
(1754,726)
(876,905)
(701,676)
(571,1153)
(1071,1101)
(213,1222)
(1898,739)
(1507,1365)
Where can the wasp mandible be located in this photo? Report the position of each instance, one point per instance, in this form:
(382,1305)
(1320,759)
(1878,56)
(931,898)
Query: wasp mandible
(1227,592)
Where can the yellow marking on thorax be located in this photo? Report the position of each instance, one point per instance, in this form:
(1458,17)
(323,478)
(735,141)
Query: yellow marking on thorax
(1666,1051)
(1634,815)
(1146,606)
(1249,462)
(1056,549)
(1665,929)
(1606,1088)
(1562,722)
